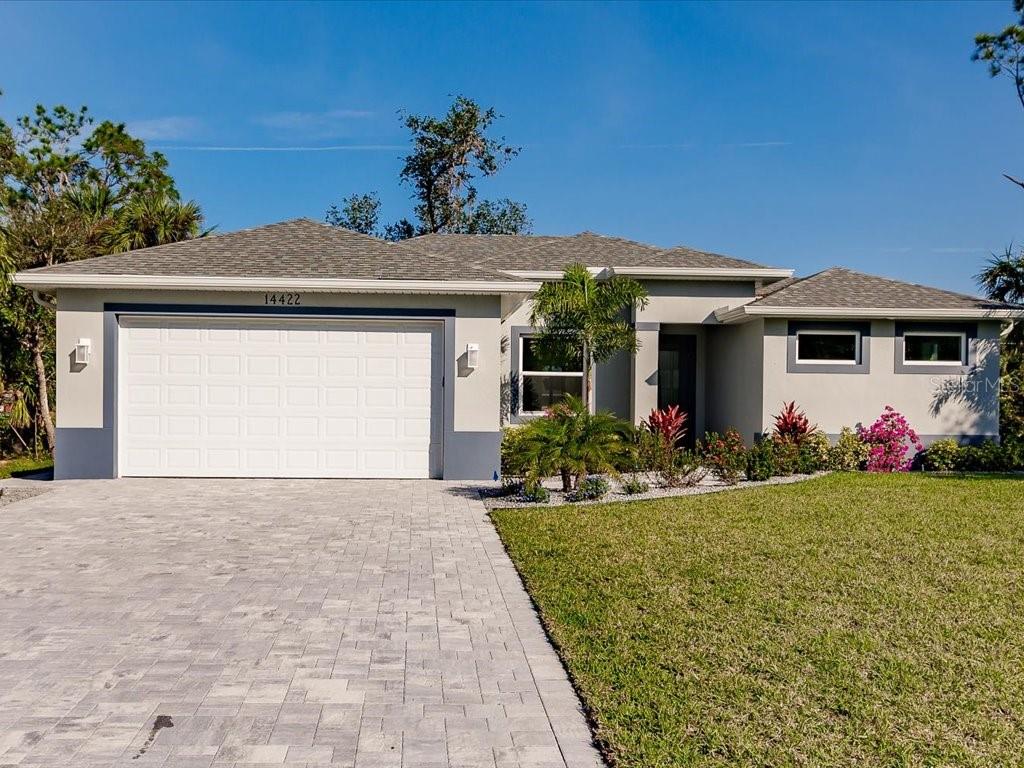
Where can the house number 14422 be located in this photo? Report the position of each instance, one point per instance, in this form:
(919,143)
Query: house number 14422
(291,299)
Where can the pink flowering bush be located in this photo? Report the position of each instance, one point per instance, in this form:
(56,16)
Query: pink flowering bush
(889,440)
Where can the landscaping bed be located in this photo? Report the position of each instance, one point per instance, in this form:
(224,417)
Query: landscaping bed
(855,619)
(497,497)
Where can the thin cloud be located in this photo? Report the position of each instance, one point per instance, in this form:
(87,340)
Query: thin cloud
(320,125)
(755,144)
(333,148)
(170,128)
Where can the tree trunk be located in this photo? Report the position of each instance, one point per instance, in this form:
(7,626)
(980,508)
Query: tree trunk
(566,479)
(588,384)
(43,394)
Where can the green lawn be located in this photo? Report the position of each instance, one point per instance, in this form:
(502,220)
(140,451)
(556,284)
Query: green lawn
(847,620)
(24,465)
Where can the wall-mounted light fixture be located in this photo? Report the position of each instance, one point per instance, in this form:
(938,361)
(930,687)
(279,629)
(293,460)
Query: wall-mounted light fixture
(82,350)
(472,356)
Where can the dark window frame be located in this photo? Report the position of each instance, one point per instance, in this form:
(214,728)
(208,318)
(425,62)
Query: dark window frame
(795,365)
(968,330)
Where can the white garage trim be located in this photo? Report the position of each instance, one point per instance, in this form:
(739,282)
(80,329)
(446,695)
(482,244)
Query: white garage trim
(279,397)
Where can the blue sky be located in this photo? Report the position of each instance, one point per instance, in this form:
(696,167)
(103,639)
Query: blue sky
(800,135)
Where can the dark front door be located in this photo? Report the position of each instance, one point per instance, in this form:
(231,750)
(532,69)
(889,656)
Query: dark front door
(677,377)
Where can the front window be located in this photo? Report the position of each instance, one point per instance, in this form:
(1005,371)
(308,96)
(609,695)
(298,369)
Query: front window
(830,347)
(934,348)
(544,382)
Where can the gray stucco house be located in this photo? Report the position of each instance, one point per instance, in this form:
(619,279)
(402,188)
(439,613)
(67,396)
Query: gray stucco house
(302,350)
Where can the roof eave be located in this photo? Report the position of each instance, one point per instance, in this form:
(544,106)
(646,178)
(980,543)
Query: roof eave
(749,312)
(51,282)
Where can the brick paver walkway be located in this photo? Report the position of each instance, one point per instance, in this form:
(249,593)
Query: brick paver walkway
(216,623)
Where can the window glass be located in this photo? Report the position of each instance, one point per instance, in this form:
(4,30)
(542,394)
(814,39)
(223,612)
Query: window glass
(927,348)
(532,361)
(834,347)
(540,392)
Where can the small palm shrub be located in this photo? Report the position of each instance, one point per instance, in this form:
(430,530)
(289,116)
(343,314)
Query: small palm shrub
(792,423)
(633,485)
(761,460)
(889,440)
(725,455)
(942,456)
(849,453)
(590,489)
(570,441)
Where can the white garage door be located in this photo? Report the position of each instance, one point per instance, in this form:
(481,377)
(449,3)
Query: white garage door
(241,397)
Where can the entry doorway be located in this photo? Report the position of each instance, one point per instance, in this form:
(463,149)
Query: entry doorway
(677,378)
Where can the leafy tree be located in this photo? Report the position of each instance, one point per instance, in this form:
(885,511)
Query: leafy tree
(1003,276)
(69,191)
(448,154)
(360,213)
(581,316)
(1003,52)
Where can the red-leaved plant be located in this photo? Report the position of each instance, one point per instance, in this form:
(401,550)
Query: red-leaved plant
(889,440)
(668,422)
(792,423)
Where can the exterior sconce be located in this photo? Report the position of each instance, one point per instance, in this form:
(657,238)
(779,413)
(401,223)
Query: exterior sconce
(472,356)
(82,350)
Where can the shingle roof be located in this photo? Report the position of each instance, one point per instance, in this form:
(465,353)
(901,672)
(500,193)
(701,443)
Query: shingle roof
(543,253)
(843,288)
(300,248)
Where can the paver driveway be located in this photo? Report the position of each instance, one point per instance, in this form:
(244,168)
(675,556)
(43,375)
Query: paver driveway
(208,622)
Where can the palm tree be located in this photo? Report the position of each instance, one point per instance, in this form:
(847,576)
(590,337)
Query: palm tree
(1002,278)
(580,316)
(154,219)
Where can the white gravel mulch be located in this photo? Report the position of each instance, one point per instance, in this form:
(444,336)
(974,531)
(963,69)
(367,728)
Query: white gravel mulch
(493,499)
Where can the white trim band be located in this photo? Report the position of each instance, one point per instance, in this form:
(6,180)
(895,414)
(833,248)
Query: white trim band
(51,281)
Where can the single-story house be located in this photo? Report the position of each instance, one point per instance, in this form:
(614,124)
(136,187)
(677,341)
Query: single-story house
(303,350)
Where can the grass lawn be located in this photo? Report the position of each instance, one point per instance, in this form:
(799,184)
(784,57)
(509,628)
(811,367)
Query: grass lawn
(24,465)
(847,620)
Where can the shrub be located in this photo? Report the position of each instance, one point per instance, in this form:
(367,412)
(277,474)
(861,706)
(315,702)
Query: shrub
(889,440)
(689,467)
(668,422)
(849,453)
(942,456)
(813,453)
(514,466)
(726,455)
(761,460)
(571,441)
(792,423)
(986,457)
(633,485)
(590,489)
(786,456)
(533,491)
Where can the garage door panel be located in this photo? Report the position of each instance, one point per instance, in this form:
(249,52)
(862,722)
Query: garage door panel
(222,397)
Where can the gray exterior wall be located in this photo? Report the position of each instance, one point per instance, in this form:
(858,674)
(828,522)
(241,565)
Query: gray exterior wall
(963,405)
(87,405)
(735,369)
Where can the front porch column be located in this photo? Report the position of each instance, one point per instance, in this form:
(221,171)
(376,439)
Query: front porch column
(645,371)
